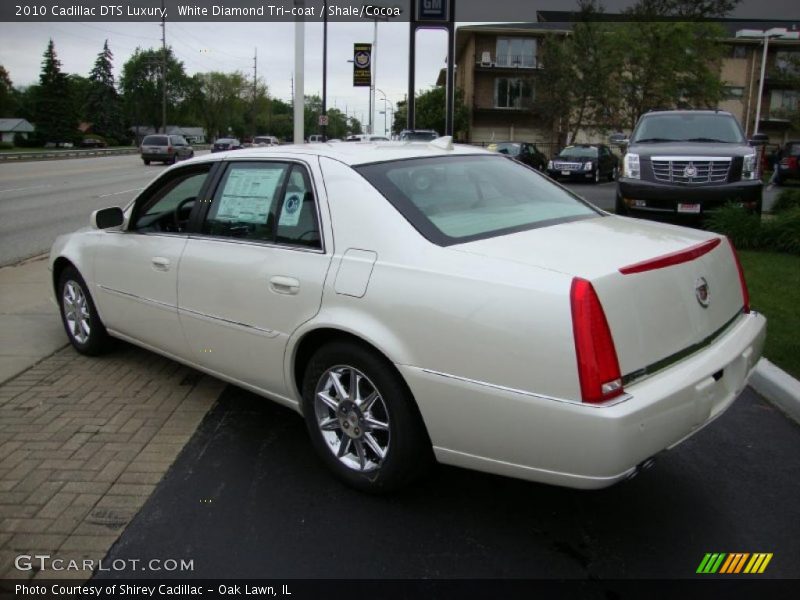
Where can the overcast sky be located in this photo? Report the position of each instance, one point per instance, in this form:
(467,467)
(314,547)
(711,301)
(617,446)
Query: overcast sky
(230,46)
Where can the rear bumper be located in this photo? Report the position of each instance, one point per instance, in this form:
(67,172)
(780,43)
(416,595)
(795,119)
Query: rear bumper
(156,156)
(519,434)
(647,196)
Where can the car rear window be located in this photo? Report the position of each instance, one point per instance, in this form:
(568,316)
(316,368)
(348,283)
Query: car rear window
(155,140)
(457,199)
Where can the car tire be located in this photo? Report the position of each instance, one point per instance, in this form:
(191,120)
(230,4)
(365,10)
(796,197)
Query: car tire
(85,330)
(373,440)
(614,174)
(146,162)
(596,179)
(174,159)
(619,206)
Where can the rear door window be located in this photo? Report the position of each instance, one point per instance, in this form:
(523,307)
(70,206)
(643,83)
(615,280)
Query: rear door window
(155,140)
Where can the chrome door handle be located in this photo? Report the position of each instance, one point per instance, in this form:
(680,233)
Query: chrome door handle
(160,263)
(284,285)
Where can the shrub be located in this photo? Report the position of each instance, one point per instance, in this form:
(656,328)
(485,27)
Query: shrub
(6,146)
(787,199)
(743,228)
(782,233)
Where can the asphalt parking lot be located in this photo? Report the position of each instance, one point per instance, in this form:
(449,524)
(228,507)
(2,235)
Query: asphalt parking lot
(247,498)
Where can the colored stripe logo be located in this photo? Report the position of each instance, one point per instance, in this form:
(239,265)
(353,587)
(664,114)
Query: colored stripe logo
(734,563)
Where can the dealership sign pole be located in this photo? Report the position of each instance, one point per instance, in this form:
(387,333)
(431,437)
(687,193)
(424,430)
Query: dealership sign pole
(433,14)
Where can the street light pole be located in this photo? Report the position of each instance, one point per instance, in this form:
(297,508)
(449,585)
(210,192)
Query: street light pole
(775,32)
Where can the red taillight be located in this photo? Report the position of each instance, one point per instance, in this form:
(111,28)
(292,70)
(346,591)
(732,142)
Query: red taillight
(792,162)
(170,149)
(742,282)
(598,367)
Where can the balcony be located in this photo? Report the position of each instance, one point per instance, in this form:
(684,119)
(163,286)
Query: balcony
(507,61)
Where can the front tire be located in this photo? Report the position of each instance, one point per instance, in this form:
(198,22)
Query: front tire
(85,330)
(619,207)
(362,419)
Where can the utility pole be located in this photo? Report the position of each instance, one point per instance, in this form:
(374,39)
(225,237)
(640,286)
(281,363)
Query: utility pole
(374,75)
(255,87)
(324,126)
(163,68)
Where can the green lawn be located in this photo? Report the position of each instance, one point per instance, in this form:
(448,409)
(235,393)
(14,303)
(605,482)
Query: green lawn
(774,283)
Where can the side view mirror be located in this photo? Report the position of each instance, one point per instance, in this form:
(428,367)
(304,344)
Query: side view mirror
(759,139)
(106,218)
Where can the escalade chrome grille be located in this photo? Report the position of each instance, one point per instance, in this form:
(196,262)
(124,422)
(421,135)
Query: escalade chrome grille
(689,169)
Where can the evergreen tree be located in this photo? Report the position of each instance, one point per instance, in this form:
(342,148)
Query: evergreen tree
(8,95)
(55,119)
(103,105)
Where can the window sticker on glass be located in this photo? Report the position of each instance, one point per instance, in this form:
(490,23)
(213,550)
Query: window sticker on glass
(248,195)
(290,215)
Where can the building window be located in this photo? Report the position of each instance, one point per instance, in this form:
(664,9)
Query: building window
(516,52)
(513,92)
(783,101)
(739,51)
(788,62)
(734,91)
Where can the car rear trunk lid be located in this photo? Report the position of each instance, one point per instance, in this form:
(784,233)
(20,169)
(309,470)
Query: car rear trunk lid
(665,290)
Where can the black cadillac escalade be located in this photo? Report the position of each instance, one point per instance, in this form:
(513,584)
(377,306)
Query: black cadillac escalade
(682,164)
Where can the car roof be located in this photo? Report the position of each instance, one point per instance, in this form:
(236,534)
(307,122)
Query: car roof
(687,112)
(354,154)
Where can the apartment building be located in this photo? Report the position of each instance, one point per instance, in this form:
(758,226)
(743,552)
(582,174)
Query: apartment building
(498,66)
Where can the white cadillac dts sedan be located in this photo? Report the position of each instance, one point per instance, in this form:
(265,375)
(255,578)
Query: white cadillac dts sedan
(417,301)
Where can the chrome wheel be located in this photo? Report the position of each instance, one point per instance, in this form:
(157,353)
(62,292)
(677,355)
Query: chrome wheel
(76,312)
(352,418)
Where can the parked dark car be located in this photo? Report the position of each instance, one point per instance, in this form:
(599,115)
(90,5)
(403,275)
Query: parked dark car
(683,164)
(93,143)
(524,152)
(223,144)
(584,162)
(168,149)
(418,135)
(789,165)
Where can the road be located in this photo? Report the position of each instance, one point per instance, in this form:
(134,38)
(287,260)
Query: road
(248,498)
(40,200)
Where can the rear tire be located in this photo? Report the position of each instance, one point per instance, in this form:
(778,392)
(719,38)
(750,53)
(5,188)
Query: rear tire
(362,420)
(85,330)
(146,163)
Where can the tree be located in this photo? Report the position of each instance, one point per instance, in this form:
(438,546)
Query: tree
(220,102)
(578,87)
(141,84)
(686,9)
(9,101)
(54,114)
(103,105)
(668,64)
(430,109)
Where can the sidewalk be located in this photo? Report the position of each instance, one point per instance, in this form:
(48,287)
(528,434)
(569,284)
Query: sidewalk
(83,441)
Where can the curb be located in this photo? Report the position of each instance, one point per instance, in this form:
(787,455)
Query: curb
(777,386)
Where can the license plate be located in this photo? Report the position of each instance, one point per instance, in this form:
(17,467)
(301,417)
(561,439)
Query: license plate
(640,203)
(689,208)
(565,172)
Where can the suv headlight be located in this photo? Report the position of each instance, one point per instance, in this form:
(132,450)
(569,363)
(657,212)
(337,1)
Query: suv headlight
(749,167)
(587,166)
(630,166)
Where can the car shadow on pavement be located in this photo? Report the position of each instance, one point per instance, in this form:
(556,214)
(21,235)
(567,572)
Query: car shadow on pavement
(247,498)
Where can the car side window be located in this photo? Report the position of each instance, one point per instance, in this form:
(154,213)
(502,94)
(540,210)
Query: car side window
(244,204)
(297,214)
(167,207)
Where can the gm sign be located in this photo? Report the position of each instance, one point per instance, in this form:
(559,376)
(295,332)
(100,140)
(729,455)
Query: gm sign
(432,10)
